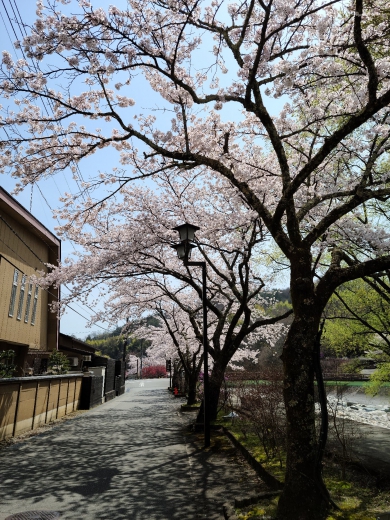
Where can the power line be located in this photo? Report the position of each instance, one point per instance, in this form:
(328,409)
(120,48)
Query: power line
(22,28)
(20,23)
(51,209)
(49,246)
(20,18)
(5,26)
(9,19)
(21,239)
(17,254)
(25,261)
(51,249)
(42,262)
(47,290)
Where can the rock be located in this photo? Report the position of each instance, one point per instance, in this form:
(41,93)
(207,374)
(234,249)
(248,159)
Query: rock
(231,415)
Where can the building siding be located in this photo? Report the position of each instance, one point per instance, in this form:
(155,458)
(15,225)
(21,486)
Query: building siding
(26,246)
(13,249)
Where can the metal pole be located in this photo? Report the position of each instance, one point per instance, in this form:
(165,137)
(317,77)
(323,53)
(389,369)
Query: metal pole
(124,351)
(205,362)
(142,346)
(125,341)
(123,369)
(206,388)
(125,345)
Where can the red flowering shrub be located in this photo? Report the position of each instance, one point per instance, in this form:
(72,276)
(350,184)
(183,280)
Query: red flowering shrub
(154,372)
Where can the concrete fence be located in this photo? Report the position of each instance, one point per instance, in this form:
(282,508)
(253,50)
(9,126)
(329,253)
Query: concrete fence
(28,402)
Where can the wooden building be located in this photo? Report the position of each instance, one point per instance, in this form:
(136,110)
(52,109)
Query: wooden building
(78,352)
(26,324)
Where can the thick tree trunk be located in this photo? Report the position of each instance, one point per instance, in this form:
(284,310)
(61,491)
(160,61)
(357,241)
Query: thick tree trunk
(191,396)
(304,495)
(215,382)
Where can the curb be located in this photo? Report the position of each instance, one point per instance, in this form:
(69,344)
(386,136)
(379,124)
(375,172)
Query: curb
(272,482)
(229,513)
(254,499)
(185,408)
(228,509)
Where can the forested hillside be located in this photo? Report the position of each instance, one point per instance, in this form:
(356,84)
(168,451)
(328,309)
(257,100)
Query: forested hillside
(111,344)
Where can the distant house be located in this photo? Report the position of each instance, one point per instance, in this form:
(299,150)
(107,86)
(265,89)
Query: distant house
(26,324)
(78,353)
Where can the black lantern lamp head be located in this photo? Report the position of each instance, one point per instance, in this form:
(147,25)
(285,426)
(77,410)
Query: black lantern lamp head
(187,236)
(187,231)
(183,250)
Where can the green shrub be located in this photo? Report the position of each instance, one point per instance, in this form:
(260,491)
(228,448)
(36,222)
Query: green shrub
(7,367)
(58,362)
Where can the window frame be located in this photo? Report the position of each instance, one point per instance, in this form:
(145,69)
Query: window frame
(28,302)
(35,305)
(21,297)
(14,290)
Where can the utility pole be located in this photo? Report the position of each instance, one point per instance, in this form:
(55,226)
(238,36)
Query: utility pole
(142,346)
(125,343)
(168,367)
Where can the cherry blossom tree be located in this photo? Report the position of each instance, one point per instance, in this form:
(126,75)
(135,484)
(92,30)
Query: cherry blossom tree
(181,337)
(315,172)
(176,340)
(127,250)
(131,361)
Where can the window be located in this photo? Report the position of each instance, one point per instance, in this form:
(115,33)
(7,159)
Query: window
(35,303)
(13,293)
(21,298)
(28,303)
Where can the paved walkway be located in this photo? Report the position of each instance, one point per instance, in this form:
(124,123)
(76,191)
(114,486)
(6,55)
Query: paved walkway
(130,458)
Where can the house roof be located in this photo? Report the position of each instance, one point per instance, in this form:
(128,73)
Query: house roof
(11,206)
(75,345)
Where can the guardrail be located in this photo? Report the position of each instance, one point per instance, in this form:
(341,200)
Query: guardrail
(28,402)
(231,377)
(329,376)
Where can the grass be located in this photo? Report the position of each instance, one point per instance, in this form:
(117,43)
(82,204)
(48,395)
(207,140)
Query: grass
(265,510)
(358,497)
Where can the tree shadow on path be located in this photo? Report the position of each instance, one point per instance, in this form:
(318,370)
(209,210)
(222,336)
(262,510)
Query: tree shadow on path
(127,459)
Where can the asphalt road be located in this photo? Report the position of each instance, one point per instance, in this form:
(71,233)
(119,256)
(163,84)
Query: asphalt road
(130,458)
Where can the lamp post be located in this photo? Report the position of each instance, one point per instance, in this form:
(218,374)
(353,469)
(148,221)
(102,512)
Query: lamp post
(142,347)
(125,342)
(183,249)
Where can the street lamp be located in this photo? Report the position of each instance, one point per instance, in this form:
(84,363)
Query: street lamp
(187,236)
(183,249)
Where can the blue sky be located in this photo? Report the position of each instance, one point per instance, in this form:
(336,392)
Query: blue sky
(44,196)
